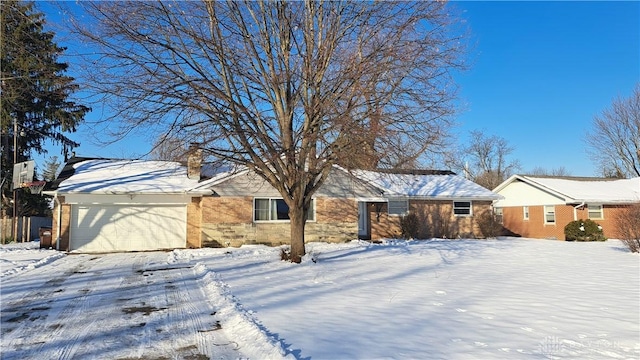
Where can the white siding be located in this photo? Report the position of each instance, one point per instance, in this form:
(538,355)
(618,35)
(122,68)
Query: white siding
(519,193)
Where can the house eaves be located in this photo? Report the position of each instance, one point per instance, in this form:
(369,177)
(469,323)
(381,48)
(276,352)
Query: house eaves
(577,190)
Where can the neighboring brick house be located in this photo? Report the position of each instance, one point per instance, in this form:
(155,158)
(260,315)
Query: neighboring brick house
(245,209)
(104,205)
(541,206)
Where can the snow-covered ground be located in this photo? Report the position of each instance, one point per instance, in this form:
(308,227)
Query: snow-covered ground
(433,299)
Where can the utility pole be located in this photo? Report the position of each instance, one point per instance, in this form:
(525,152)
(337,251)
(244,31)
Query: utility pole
(14,224)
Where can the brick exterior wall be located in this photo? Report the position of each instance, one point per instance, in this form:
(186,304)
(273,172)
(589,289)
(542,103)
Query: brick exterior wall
(437,219)
(383,225)
(513,220)
(194,223)
(63,237)
(228,221)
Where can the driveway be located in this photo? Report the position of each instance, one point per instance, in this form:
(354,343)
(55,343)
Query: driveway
(112,306)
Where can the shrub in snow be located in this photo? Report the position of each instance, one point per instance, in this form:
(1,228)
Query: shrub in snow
(410,226)
(583,230)
(285,253)
(628,224)
(432,222)
(489,224)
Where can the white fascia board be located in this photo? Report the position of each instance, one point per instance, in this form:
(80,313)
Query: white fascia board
(456,198)
(603,202)
(189,193)
(127,199)
(372,199)
(430,198)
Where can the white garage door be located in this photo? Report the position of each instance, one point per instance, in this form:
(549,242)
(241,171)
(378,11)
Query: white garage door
(103,228)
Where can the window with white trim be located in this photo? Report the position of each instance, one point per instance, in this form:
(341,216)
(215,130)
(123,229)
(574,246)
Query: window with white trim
(398,207)
(549,214)
(499,213)
(595,212)
(273,209)
(525,213)
(462,208)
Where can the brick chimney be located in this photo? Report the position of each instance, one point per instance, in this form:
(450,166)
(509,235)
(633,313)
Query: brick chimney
(194,161)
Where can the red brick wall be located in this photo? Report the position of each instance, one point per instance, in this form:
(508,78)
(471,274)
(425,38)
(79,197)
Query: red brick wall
(608,222)
(383,225)
(536,228)
(433,213)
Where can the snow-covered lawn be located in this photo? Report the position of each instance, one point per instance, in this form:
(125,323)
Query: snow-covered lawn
(433,299)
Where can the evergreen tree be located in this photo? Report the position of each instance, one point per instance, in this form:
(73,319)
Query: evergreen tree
(51,167)
(35,91)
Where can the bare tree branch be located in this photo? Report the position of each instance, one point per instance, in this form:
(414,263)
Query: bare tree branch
(485,160)
(285,88)
(615,138)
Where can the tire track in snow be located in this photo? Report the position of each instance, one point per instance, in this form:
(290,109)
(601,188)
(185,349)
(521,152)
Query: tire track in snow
(75,314)
(78,340)
(195,322)
(31,312)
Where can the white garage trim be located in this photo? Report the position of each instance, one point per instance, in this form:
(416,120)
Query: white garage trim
(107,228)
(130,199)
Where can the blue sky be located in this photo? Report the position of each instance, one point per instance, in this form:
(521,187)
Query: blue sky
(542,70)
(539,72)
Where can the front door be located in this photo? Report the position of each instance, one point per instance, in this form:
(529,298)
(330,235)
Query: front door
(363,221)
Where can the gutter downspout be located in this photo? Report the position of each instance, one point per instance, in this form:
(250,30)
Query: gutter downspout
(59,224)
(575,210)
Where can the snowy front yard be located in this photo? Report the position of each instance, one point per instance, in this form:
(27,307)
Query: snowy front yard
(435,299)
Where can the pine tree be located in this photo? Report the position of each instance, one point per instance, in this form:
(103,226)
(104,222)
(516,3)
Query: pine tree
(35,91)
(51,167)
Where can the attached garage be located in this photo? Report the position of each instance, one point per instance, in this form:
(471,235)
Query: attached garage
(104,205)
(106,228)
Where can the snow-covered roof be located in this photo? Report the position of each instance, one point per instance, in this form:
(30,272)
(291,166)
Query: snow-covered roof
(105,176)
(449,186)
(574,189)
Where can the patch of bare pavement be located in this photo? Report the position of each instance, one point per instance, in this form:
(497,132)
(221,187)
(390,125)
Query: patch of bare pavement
(111,306)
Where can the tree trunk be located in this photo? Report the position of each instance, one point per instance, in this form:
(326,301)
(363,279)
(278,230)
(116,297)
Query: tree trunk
(298,222)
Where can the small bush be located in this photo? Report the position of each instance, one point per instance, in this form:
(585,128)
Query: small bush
(410,226)
(583,230)
(489,224)
(628,225)
(285,254)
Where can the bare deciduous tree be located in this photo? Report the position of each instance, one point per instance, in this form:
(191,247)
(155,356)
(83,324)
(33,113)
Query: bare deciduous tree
(628,224)
(485,160)
(614,140)
(559,171)
(285,88)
